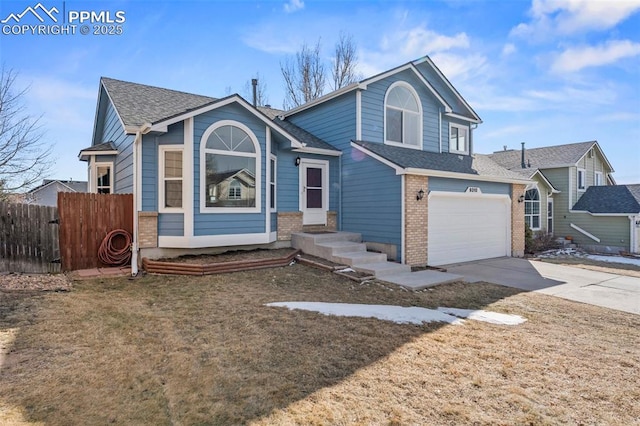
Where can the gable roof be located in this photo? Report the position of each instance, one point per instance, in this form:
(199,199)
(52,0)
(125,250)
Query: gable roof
(477,167)
(137,104)
(72,185)
(611,199)
(469,114)
(547,157)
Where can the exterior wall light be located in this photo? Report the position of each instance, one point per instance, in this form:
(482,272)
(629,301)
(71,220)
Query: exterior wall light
(297,161)
(521,198)
(420,195)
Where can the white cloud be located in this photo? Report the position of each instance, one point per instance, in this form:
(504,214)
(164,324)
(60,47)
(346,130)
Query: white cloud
(293,6)
(509,49)
(551,17)
(402,46)
(575,59)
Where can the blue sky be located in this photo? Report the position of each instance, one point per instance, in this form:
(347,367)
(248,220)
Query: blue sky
(544,72)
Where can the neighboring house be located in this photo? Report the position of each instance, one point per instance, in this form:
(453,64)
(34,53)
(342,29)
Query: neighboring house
(390,157)
(574,195)
(47,193)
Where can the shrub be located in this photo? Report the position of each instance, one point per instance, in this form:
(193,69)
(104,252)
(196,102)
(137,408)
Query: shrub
(540,241)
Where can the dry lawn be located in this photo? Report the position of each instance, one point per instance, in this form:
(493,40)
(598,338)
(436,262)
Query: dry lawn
(204,350)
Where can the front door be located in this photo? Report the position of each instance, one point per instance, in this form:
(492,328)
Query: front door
(314,191)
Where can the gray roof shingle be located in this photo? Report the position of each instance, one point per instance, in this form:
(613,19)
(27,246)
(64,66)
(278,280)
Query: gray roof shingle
(138,104)
(543,158)
(610,199)
(479,165)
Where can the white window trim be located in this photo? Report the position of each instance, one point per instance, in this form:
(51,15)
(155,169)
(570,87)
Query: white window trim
(539,201)
(273,172)
(420,117)
(584,179)
(93,176)
(467,141)
(596,181)
(162,150)
(203,165)
(553,220)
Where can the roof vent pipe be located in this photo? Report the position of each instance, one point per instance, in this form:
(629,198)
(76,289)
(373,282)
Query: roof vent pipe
(254,83)
(522,162)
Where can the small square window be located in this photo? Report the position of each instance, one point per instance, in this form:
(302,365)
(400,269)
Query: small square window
(459,139)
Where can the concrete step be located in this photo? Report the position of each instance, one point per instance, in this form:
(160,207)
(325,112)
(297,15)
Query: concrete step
(382,269)
(335,248)
(359,258)
(308,242)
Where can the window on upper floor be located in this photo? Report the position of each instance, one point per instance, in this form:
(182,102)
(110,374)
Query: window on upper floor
(402,116)
(597,179)
(581,179)
(231,168)
(532,208)
(458,139)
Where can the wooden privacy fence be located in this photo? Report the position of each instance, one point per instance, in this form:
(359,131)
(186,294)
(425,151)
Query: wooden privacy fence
(28,238)
(85,219)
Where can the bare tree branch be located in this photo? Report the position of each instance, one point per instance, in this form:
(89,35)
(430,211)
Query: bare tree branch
(304,77)
(345,62)
(24,157)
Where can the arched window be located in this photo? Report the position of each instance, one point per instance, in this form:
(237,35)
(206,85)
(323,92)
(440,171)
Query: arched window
(230,168)
(532,208)
(402,116)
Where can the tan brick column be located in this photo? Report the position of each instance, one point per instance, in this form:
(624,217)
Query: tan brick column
(288,223)
(517,221)
(147,229)
(415,224)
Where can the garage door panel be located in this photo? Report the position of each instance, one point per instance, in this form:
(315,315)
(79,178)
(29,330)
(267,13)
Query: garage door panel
(466,227)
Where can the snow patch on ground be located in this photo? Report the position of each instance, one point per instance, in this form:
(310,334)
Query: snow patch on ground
(615,259)
(400,314)
(484,316)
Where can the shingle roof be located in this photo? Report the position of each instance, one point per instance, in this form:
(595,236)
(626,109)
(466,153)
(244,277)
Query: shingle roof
(543,158)
(479,165)
(610,199)
(138,104)
(105,146)
(303,136)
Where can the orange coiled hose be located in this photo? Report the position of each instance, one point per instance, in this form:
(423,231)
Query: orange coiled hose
(111,255)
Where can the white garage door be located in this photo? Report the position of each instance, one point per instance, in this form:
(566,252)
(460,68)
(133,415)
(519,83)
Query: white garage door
(468,226)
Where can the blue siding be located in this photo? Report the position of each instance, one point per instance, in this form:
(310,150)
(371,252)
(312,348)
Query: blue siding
(112,131)
(373,110)
(333,121)
(372,206)
(460,185)
(150,172)
(442,88)
(171,224)
(228,223)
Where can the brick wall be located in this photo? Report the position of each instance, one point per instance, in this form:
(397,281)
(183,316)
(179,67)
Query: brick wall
(288,223)
(415,226)
(147,229)
(517,221)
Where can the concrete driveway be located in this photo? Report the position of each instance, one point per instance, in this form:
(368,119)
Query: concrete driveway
(596,288)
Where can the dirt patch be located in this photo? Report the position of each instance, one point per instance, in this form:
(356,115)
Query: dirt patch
(205,350)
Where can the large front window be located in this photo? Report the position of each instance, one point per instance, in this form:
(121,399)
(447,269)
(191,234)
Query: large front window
(230,168)
(402,116)
(532,208)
